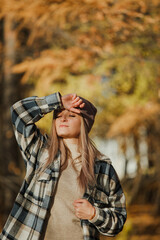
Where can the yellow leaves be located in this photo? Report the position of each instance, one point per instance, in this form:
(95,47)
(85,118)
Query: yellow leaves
(81,35)
(51,65)
(43,17)
(22,67)
(133,118)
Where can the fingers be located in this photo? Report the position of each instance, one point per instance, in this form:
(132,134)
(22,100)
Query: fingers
(72,102)
(82,105)
(74,96)
(78,214)
(77,204)
(75,110)
(76,102)
(80,200)
(83,209)
(78,211)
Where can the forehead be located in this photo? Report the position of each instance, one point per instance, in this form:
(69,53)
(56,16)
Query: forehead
(62,111)
(65,111)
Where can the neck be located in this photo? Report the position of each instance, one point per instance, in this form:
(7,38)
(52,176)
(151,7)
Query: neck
(70,141)
(72,144)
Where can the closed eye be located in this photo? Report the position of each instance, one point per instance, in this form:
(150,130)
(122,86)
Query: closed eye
(72,115)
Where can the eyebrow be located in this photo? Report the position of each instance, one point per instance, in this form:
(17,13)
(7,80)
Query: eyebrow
(70,112)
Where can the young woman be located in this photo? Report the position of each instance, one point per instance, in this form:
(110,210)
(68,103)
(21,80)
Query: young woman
(70,190)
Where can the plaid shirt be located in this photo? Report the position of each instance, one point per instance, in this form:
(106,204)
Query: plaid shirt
(27,217)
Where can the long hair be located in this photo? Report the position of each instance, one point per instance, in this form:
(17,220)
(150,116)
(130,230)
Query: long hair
(86,147)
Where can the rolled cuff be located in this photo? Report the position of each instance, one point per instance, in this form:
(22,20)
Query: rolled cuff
(93,220)
(54,101)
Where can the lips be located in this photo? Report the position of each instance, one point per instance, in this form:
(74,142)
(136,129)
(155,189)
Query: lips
(63,126)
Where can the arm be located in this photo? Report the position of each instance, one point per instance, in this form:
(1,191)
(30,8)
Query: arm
(108,213)
(24,115)
(28,111)
(110,218)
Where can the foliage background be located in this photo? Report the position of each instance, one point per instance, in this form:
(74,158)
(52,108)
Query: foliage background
(106,51)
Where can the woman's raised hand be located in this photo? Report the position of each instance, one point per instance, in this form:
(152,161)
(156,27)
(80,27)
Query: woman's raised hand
(71,101)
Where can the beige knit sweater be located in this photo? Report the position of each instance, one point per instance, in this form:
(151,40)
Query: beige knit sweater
(62,223)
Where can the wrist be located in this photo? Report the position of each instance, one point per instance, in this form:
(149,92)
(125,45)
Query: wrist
(60,98)
(93,214)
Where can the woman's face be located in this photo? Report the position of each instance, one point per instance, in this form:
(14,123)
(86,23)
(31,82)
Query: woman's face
(68,124)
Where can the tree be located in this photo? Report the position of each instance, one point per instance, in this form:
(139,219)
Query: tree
(110,47)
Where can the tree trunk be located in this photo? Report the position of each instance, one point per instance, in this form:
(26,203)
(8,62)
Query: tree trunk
(123,145)
(156,134)
(9,154)
(138,178)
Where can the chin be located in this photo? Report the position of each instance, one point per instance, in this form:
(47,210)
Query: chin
(63,135)
(67,135)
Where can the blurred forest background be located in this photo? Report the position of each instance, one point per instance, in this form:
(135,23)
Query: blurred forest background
(107,51)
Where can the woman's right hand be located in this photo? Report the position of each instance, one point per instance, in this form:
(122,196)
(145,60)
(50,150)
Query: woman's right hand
(71,101)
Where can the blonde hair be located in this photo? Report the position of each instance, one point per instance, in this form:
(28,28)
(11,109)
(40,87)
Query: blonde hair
(86,147)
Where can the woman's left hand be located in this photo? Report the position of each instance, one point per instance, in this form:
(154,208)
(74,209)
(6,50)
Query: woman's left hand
(71,102)
(84,209)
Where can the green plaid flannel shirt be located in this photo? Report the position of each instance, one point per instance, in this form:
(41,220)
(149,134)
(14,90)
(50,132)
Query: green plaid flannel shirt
(27,217)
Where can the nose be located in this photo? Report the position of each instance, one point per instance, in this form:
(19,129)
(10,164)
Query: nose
(64,118)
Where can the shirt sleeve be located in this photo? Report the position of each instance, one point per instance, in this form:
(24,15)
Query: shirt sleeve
(24,114)
(111,210)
